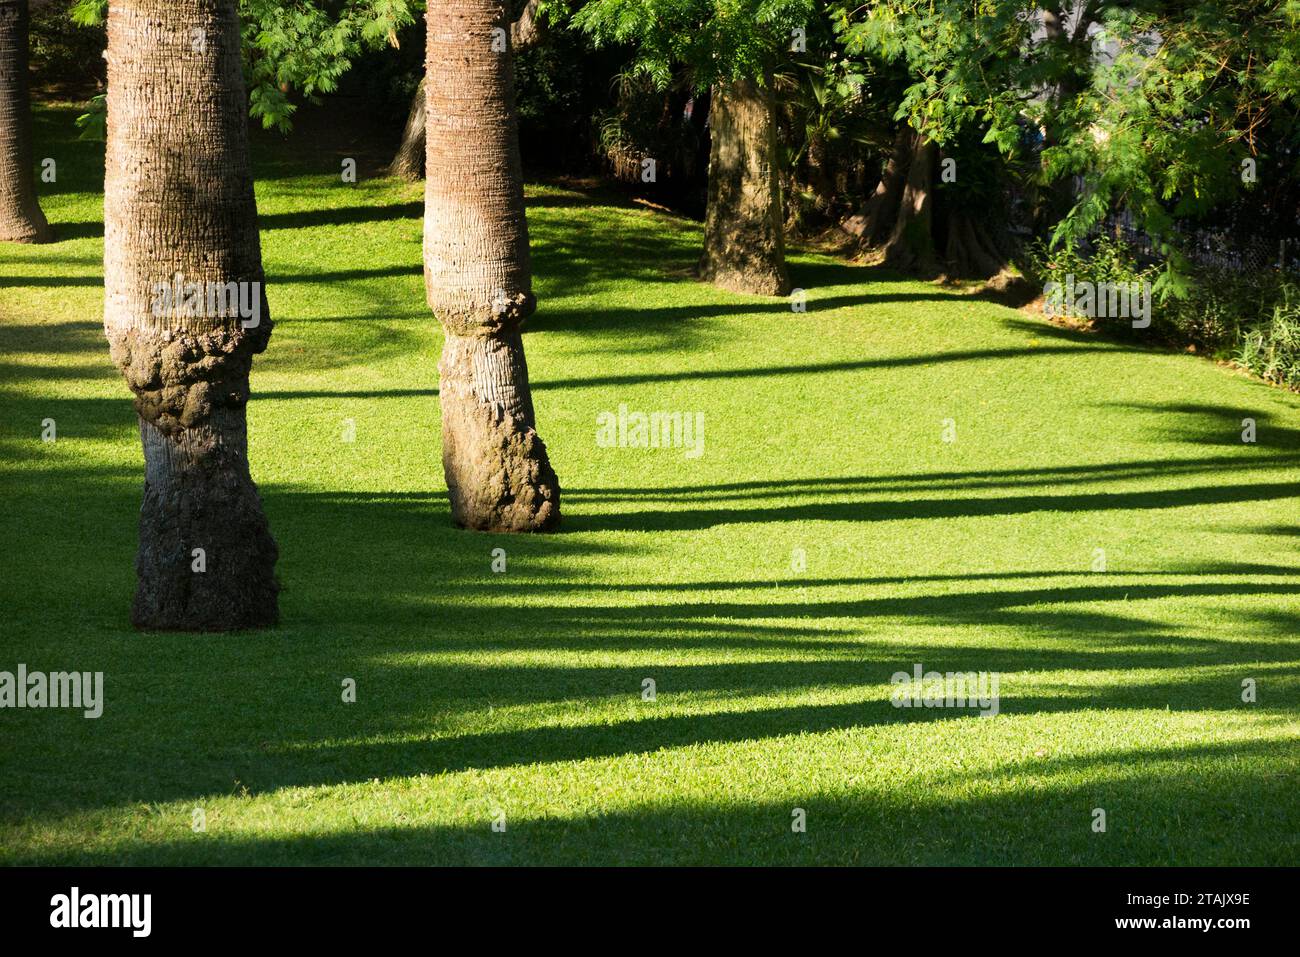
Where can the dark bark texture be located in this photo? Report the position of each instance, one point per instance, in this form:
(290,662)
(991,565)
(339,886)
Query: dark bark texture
(910,245)
(907,221)
(179,208)
(21,219)
(744,247)
(881,210)
(477,275)
(973,251)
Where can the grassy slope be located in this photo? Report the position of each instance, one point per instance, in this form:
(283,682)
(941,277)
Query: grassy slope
(522,691)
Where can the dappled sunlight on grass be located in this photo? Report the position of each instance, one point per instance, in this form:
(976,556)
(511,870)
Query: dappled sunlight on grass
(826,537)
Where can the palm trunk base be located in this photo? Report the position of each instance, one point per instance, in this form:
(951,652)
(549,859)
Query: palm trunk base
(198,495)
(499,477)
(18,225)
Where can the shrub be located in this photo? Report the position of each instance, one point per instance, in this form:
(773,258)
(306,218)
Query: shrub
(1251,319)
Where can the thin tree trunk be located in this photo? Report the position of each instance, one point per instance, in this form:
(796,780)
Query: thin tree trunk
(820,177)
(408,162)
(744,249)
(179,209)
(477,275)
(21,219)
(911,243)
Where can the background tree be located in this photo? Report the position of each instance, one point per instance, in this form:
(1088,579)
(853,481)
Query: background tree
(734,47)
(179,209)
(21,219)
(477,274)
(1153,107)
(940,205)
(832,119)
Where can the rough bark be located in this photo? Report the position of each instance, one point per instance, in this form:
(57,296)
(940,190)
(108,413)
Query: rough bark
(820,173)
(408,162)
(744,248)
(526,28)
(881,210)
(971,252)
(477,276)
(911,243)
(21,219)
(178,202)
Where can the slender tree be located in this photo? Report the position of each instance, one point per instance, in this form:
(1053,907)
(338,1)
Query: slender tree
(408,161)
(21,219)
(477,273)
(185,308)
(881,210)
(911,244)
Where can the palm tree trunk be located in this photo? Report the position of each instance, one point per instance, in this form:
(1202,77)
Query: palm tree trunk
(477,274)
(408,162)
(21,219)
(179,212)
(744,249)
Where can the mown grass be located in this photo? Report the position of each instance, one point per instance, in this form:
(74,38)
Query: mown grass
(521,692)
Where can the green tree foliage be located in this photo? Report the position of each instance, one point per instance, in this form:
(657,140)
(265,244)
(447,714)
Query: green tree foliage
(300,47)
(1155,105)
(714,39)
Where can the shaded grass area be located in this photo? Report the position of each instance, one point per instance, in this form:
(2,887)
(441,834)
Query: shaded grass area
(827,538)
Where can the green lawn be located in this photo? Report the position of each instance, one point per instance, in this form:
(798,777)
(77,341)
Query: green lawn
(521,692)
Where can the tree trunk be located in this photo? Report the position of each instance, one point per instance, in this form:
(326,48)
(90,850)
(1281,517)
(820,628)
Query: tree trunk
(408,163)
(911,243)
(477,275)
(178,211)
(820,177)
(744,249)
(881,211)
(21,219)
(971,251)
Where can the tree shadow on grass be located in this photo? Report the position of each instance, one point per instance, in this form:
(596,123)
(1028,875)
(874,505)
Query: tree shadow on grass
(341,216)
(78,230)
(381,589)
(690,375)
(671,322)
(33,282)
(886,510)
(1208,424)
(1224,804)
(931,481)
